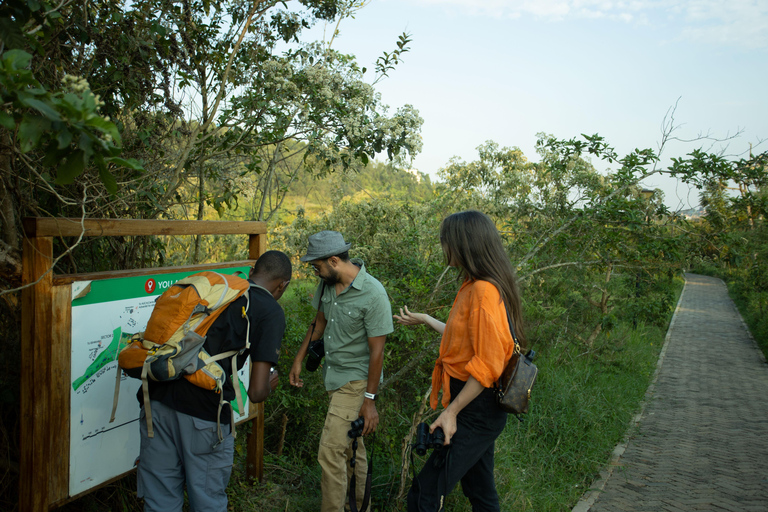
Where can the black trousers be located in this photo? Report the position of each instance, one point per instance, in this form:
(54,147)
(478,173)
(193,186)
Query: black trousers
(468,459)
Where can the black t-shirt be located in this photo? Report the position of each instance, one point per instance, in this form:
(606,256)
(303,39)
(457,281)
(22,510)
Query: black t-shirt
(227,333)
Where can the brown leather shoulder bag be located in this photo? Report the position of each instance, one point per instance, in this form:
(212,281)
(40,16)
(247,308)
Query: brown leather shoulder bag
(513,391)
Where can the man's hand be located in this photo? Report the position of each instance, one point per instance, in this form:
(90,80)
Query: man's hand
(260,384)
(274,378)
(294,375)
(371,415)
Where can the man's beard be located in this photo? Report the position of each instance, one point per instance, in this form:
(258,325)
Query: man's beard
(332,278)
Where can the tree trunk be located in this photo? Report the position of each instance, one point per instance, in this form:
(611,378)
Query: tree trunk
(603,306)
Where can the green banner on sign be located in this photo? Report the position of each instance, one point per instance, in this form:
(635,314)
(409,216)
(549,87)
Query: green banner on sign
(108,290)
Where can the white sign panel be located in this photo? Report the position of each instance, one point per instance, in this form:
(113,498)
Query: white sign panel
(105,314)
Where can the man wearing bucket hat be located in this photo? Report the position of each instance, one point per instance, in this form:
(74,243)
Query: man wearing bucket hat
(353,319)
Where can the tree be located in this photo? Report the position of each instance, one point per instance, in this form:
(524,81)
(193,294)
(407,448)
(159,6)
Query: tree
(201,93)
(715,174)
(566,222)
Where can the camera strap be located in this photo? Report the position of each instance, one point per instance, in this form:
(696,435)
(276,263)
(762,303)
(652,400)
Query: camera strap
(368,478)
(440,463)
(314,322)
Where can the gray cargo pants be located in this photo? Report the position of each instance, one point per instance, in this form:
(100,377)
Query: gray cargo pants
(184,449)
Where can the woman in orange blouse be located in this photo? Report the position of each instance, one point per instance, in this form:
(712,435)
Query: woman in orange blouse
(474,349)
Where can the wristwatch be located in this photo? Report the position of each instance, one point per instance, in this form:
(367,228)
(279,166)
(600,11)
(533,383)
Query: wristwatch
(371,396)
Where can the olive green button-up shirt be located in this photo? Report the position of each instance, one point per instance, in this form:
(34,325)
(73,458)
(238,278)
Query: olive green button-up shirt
(359,312)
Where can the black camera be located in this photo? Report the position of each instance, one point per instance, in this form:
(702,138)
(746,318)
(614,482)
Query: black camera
(315,354)
(426,440)
(356,429)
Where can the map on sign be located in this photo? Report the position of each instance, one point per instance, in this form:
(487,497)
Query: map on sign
(105,315)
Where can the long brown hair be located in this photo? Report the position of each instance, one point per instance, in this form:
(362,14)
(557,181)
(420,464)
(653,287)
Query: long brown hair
(472,242)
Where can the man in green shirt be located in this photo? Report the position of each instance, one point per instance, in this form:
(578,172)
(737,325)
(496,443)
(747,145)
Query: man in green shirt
(354,317)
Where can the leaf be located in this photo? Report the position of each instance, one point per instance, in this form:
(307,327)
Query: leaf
(106,177)
(86,144)
(30,131)
(7,121)
(11,35)
(71,168)
(52,156)
(19,59)
(105,126)
(41,107)
(130,163)
(64,137)
(89,101)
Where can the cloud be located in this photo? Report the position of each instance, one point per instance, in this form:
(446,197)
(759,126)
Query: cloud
(553,10)
(739,23)
(736,22)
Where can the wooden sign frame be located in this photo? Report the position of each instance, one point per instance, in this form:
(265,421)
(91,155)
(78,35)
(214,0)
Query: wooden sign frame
(46,345)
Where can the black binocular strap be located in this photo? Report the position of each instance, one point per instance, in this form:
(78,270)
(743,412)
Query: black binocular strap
(444,483)
(368,479)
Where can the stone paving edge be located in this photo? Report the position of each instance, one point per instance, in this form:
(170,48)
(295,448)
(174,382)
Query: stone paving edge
(590,497)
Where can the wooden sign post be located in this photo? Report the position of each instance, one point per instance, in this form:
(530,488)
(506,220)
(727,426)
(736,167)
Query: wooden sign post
(46,322)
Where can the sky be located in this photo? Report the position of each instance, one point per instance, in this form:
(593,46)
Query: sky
(505,70)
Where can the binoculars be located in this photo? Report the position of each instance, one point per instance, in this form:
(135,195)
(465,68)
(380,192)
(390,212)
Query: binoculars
(426,440)
(356,428)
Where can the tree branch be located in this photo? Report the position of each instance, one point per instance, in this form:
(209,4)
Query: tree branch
(65,253)
(557,265)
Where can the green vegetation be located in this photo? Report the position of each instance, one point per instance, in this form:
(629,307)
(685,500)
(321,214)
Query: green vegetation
(284,130)
(582,407)
(731,240)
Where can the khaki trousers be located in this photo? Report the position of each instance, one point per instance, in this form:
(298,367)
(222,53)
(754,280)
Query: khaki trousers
(335,449)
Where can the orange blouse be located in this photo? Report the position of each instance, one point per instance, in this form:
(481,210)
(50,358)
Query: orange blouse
(476,340)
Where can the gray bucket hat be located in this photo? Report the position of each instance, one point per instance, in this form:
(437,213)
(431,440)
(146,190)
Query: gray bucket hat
(325,244)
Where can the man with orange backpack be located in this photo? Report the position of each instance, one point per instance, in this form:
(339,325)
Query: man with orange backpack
(191,443)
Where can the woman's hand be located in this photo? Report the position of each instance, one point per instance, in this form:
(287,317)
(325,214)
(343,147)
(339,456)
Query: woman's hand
(447,422)
(408,318)
(447,419)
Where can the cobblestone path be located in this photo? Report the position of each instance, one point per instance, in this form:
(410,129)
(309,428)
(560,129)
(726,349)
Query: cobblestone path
(701,442)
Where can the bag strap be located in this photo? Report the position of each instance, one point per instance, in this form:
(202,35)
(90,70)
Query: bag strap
(145,393)
(368,479)
(516,350)
(233,363)
(314,322)
(512,330)
(441,484)
(234,354)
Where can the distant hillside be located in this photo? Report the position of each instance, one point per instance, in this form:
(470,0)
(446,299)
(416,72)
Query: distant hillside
(693,213)
(377,179)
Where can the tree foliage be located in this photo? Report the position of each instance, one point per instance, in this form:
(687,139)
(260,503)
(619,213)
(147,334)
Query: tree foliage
(161,109)
(180,106)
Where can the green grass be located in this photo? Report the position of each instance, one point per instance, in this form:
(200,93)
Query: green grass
(582,407)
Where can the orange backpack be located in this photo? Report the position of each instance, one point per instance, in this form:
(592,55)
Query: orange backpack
(171,346)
